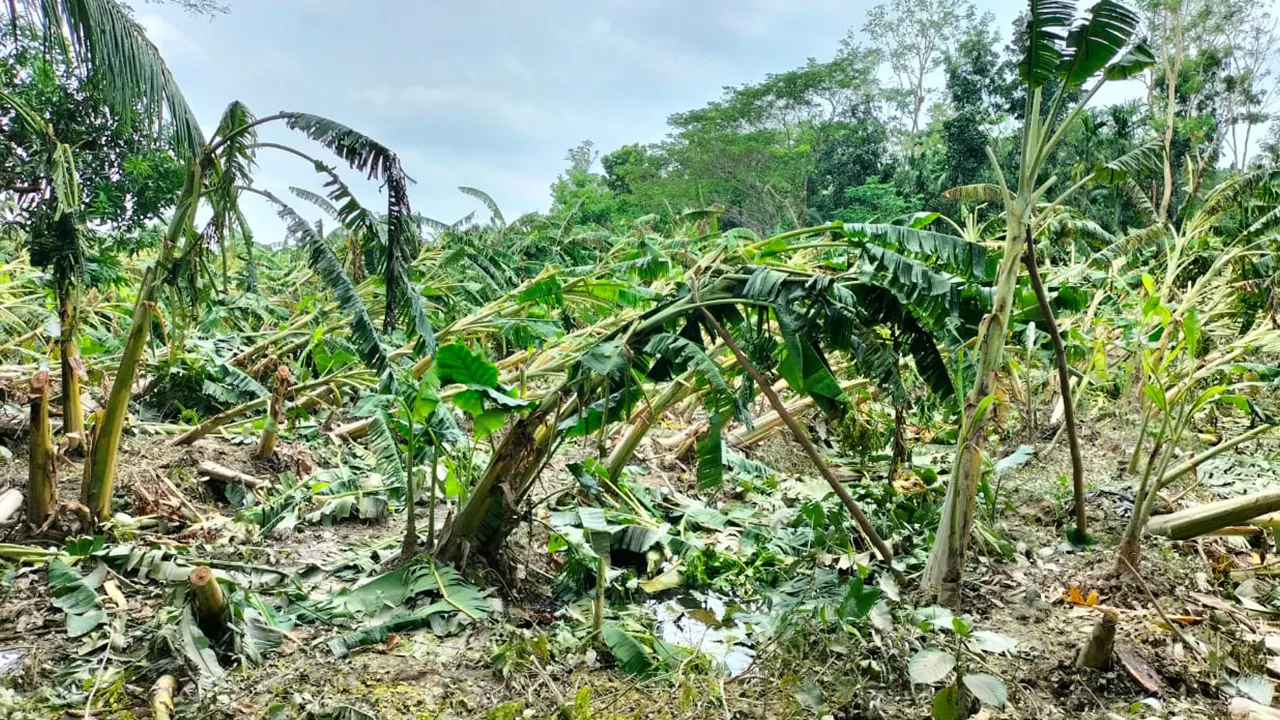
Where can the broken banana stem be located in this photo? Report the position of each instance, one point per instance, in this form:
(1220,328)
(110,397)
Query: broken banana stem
(1097,652)
(42,475)
(208,602)
(275,414)
(162,697)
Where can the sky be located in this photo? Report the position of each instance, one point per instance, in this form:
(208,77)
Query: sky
(484,93)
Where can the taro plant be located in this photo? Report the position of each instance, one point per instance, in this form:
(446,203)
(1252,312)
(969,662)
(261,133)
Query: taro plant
(955,647)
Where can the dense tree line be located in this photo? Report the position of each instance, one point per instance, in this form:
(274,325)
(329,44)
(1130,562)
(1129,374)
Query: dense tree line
(881,130)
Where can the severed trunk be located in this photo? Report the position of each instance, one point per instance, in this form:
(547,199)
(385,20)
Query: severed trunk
(42,476)
(1097,652)
(162,697)
(208,603)
(492,511)
(275,414)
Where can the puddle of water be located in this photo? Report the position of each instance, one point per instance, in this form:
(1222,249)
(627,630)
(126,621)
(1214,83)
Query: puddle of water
(699,622)
(11,660)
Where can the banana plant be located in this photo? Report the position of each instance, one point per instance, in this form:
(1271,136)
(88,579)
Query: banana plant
(1065,52)
(816,313)
(56,241)
(221,164)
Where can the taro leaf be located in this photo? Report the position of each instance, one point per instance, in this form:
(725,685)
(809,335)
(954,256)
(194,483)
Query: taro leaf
(455,363)
(858,600)
(628,653)
(810,697)
(930,666)
(195,648)
(992,642)
(1257,689)
(711,455)
(1015,460)
(989,689)
(76,596)
(934,617)
(946,704)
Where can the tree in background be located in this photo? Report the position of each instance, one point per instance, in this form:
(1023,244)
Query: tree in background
(124,175)
(582,196)
(976,91)
(915,37)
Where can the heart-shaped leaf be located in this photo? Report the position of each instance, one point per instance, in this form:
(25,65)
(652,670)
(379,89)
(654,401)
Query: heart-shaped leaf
(930,666)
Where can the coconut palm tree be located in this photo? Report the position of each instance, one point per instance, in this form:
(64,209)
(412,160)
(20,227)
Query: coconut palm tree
(101,36)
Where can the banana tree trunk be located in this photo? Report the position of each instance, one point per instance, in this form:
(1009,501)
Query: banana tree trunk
(100,473)
(945,568)
(492,510)
(42,477)
(72,368)
(676,390)
(275,414)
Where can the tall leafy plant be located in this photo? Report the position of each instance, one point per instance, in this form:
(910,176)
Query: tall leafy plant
(216,173)
(1066,52)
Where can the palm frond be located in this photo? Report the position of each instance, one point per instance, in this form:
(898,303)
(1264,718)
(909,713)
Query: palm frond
(115,47)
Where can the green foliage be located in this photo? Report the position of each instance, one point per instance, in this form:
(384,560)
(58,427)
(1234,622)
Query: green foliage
(77,597)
